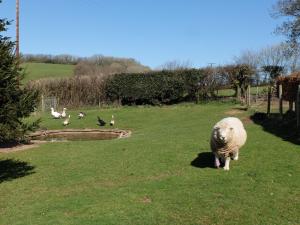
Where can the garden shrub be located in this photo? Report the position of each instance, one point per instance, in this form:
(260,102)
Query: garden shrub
(159,87)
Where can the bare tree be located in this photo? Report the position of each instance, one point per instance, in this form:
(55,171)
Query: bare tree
(291,27)
(275,55)
(252,59)
(294,58)
(176,65)
(248,57)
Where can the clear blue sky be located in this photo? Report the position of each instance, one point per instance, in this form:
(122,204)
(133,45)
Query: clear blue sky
(151,31)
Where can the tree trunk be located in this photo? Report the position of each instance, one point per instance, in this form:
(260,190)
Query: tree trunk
(269,100)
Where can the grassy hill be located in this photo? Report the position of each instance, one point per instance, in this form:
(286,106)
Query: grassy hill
(49,66)
(35,71)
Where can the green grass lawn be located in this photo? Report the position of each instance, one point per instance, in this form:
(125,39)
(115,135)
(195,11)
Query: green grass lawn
(35,71)
(160,175)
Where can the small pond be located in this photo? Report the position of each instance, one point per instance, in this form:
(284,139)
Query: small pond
(78,135)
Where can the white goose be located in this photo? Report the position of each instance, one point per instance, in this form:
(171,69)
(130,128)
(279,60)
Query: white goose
(67,121)
(112,121)
(55,114)
(64,114)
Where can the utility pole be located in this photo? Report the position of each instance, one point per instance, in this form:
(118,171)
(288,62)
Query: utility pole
(211,64)
(17,30)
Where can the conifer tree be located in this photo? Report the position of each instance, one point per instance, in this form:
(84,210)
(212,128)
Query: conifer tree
(16,102)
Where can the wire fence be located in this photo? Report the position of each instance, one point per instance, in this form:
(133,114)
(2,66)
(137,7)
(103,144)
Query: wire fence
(48,102)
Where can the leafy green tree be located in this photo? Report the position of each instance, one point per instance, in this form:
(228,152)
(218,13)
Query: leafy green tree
(16,103)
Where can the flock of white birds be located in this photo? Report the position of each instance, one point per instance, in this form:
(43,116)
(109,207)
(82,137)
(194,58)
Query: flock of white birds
(63,114)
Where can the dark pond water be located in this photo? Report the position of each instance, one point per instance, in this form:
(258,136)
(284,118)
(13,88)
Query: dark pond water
(77,135)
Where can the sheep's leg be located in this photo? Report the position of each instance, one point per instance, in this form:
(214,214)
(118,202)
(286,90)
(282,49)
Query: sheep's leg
(235,155)
(217,162)
(222,160)
(227,162)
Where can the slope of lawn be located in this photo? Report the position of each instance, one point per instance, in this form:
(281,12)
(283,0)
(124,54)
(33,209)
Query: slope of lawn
(161,175)
(35,71)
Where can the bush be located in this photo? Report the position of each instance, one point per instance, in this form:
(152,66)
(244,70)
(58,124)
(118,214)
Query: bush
(156,87)
(160,87)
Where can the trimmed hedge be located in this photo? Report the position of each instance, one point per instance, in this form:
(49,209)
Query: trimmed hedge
(155,88)
(160,87)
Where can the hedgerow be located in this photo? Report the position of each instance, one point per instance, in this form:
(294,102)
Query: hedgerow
(155,88)
(159,87)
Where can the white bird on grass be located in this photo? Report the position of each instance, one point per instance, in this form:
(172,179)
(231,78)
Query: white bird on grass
(67,121)
(64,114)
(81,115)
(55,114)
(112,121)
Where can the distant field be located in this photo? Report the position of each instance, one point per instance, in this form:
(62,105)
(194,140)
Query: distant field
(35,71)
(230,92)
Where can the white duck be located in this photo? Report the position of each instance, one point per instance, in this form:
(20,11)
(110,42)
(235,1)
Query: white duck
(55,114)
(112,121)
(64,114)
(67,121)
(81,115)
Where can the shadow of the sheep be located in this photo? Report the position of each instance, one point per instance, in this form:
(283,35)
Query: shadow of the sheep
(204,160)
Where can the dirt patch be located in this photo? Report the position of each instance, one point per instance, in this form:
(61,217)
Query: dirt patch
(145,200)
(46,136)
(246,120)
(238,112)
(20,147)
(234,112)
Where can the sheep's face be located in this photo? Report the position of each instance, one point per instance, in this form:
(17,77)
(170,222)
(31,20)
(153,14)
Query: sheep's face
(223,134)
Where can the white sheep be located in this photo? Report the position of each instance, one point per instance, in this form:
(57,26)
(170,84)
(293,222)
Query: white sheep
(227,137)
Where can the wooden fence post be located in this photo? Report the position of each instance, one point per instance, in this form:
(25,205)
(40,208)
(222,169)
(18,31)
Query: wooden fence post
(297,107)
(280,100)
(269,100)
(291,103)
(238,94)
(248,95)
(43,103)
(256,94)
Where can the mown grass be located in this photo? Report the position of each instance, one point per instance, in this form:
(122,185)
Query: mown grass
(253,91)
(160,175)
(35,71)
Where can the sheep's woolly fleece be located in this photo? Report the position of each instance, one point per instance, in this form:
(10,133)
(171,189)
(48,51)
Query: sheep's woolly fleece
(227,137)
